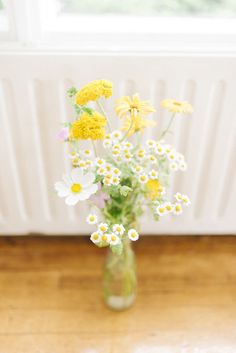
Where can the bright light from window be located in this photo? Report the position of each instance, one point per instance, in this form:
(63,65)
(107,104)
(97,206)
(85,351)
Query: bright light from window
(4,25)
(175,8)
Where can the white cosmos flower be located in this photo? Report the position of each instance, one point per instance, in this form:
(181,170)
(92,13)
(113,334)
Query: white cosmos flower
(95,237)
(78,186)
(114,239)
(133,234)
(92,219)
(118,229)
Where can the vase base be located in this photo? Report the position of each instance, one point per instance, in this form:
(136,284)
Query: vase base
(116,302)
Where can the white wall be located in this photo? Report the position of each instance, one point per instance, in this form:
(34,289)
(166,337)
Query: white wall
(33,103)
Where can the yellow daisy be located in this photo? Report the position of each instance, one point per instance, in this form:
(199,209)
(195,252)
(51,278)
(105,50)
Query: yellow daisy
(135,124)
(134,106)
(154,189)
(175,106)
(88,127)
(93,91)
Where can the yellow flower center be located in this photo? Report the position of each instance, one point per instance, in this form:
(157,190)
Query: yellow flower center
(95,236)
(103,228)
(76,188)
(178,208)
(177,103)
(104,238)
(113,238)
(168,207)
(133,234)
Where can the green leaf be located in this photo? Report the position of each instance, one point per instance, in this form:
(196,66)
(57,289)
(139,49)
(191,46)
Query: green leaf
(124,190)
(117,249)
(72,92)
(87,110)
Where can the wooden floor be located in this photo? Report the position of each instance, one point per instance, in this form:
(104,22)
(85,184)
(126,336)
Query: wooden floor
(51,297)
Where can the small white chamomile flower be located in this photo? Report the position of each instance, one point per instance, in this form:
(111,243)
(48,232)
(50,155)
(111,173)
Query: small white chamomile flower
(106,238)
(168,148)
(186,200)
(107,181)
(116,172)
(152,158)
(92,219)
(179,157)
(161,210)
(103,227)
(153,174)
(108,167)
(116,153)
(73,155)
(159,150)
(114,239)
(151,143)
(87,152)
(178,196)
(106,143)
(171,156)
(133,235)
(101,171)
(118,159)
(177,209)
(115,180)
(127,156)
(169,207)
(116,147)
(173,166)
(143,178)
(95,237)
(128,145)
(100,162)
(75,161)
(116,135)
(118,229)
(183,166)
(82,164)
(137,169)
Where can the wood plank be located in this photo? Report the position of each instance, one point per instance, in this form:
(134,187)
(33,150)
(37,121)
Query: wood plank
(51,297)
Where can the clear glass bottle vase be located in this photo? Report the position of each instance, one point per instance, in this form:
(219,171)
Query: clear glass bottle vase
(120,278)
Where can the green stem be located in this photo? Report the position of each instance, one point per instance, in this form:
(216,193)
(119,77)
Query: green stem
(104,113)
(168,127)
(127,132)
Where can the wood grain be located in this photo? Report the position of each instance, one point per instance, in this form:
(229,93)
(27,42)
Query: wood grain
(51,297)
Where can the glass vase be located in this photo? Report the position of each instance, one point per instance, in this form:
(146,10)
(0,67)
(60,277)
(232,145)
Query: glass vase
(120,278)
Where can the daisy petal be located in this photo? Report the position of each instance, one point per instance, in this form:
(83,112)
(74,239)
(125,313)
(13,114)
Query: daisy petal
(71,200)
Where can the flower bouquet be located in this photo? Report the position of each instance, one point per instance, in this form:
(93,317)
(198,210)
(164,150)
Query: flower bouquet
(129,177)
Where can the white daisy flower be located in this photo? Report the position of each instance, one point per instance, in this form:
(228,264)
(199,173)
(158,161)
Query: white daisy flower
(106,143)
(172,156)
(103,227)
(153,174)
(161,210)
(178,196)
(116,135)
(152,158)
(140,154)
(128,145)
(118,229)
(143,178)
(107,137)
(87,153)
(76,187)
(92,219)
(82,164)
(106,238)
(179,157)
(133,235)
(127,156)
(137,169)
(177,209)
(100,162)
(116,147)
(88,162)
(115,180)
(167,148)
(168,207)
(183,166)
(108,167)
(186,200)
(118,159)
(96,237)
(173,166)
(114,239)
(75,161)
(116,153)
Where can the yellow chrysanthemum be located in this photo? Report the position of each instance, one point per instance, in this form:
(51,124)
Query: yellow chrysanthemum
(175,106)
(88,127)
(133,105)
(93,91)
(154,189)
(135,124)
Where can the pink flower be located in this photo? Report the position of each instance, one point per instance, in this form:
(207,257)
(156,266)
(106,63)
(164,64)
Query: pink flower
(63,134)
(100,198)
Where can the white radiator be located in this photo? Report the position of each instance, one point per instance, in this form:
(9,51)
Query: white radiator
(33,104)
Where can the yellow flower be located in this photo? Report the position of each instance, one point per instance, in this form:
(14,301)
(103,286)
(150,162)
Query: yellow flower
(154,189)
(134,106)
(175,106)
(88,127)
(135,124)
(93,91)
